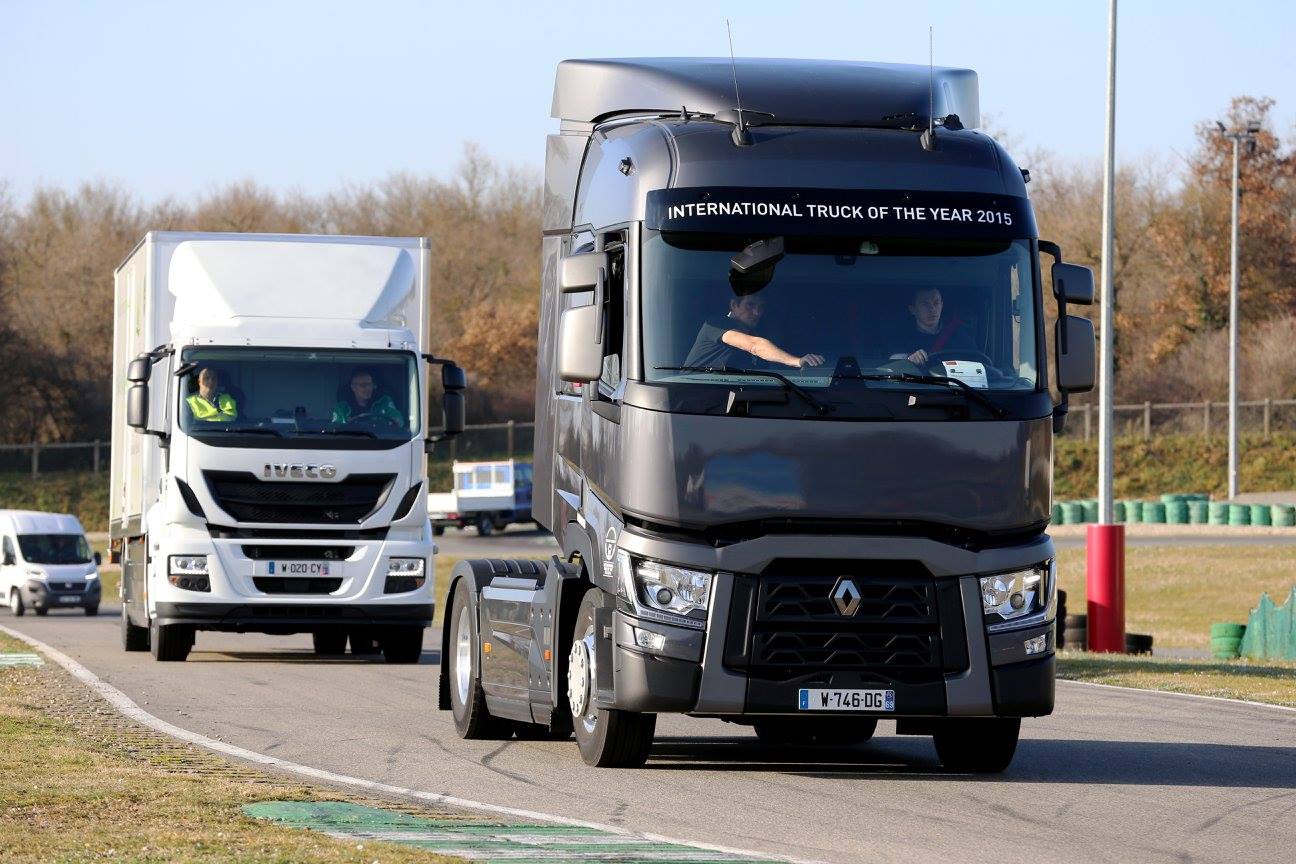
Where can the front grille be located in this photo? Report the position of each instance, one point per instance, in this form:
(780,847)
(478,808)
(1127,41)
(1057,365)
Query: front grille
(297,553)
(308,585)
(247,499)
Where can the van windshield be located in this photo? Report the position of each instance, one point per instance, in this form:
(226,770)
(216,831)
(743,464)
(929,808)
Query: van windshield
(814,308)
(361,395)
(54,548)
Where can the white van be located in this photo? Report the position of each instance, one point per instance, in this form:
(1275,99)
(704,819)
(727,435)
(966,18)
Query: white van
(46,563)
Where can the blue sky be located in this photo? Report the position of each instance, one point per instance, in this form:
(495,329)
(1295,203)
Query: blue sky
(179,98)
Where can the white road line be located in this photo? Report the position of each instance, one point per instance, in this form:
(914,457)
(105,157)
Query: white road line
(1182,695)
(126,706)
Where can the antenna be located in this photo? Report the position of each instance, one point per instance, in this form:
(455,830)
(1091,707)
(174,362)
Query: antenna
(928,139)
(740,136)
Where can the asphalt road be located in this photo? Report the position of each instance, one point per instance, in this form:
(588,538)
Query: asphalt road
(1113,775)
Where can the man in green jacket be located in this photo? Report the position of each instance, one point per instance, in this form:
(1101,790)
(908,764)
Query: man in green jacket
(210,404)
(364,402)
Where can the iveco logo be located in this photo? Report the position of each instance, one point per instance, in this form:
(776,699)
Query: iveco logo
(846,597)
(297,471)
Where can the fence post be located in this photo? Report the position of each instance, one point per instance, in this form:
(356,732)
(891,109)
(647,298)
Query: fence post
(1147,420)
(1088,421)
(1206,419)
(35,459)
(1268,407)
(96,456)
(510,437)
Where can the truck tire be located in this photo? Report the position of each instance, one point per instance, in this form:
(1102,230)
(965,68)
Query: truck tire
(438,530)
(402,644)
(819,731)
(981,745)
(133,638)
(15,603)
(170,643)
(607,737)
(467,701)
(329,642)
(485,525)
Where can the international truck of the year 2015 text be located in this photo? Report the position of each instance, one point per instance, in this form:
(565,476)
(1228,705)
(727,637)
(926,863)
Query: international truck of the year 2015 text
(793,419)
(270,422)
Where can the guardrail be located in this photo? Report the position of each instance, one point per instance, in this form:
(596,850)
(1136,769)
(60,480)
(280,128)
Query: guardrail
(1184,418)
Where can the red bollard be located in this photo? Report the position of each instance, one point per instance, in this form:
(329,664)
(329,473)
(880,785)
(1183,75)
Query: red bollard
(1105,581)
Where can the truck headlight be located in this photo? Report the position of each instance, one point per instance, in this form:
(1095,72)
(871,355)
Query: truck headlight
(405,567)
(404,575)
(1008,597)
(671,594)
(187,565)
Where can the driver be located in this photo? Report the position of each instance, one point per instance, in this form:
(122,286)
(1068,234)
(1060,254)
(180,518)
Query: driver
(722,341)
(930,336)
(362,399)
(211,404)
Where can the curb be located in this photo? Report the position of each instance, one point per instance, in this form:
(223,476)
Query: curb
(127,707)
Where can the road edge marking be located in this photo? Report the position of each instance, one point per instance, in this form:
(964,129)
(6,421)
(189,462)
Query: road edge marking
(1247,702)
(128,708)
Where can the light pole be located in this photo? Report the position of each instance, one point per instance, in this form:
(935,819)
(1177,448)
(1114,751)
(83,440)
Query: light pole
(1106,361)
(1237,136)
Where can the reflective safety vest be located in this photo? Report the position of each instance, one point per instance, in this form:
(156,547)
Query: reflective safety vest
(224,409)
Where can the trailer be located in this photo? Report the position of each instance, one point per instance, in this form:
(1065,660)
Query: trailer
(793,420)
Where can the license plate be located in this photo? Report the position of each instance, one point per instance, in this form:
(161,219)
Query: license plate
(69,599)
(298,568)
(846,700)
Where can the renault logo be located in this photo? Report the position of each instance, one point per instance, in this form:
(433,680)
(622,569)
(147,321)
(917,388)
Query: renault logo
(846,597)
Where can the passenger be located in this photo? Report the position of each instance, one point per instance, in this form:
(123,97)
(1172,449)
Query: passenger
(363,400)
(210,403)
(725,341)
(929,336)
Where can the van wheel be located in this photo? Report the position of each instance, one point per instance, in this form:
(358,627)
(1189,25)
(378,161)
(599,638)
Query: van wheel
(472,719)
(170,643)
(41,612)
(92,611)
(329,642)
(438,530)
(133,638)
(607,737)
(981,745)
(402,644)
(819,731)
(15,603)
(484,526)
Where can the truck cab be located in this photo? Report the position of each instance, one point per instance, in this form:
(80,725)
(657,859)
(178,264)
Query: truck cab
(46,563)
(793,418)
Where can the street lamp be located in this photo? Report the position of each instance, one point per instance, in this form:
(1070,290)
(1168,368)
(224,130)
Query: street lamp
(1237,136)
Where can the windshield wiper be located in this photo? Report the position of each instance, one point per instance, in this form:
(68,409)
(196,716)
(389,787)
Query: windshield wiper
(911,378)
(753,373)
(364,433)
(251,430)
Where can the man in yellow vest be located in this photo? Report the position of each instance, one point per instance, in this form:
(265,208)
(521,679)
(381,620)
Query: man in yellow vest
(208,404)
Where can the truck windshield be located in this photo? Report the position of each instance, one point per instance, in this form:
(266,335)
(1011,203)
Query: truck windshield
(815,308)
(54,548)
(294,393)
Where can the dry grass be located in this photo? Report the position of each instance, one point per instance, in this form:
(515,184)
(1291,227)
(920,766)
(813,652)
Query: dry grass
(1176,592)
(78,782)
(1271,682)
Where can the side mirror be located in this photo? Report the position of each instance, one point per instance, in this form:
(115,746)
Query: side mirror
(453,379)
(1076,344)
(452,403)
(9,559)
(98,559)
(137,405)
(140,370)
(1073,283)
(580,355)
(578,273)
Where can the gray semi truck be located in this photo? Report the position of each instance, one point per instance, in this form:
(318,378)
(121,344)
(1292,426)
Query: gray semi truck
(794,420)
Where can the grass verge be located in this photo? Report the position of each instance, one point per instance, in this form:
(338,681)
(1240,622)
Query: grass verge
(1272,682)
(80,782)
(1176,592)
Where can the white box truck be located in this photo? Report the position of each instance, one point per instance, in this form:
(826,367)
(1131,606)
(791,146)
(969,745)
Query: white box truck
(270,425)
(490,496)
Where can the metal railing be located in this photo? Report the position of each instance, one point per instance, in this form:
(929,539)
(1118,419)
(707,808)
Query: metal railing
(1264,416)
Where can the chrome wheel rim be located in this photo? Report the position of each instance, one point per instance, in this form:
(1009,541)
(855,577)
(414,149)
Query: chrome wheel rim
(581,675)
(463,656)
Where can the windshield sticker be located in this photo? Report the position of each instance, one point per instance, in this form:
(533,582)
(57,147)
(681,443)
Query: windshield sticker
(835,211)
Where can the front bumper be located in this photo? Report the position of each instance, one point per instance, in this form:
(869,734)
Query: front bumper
(44,595)
(717,672)
(285,618)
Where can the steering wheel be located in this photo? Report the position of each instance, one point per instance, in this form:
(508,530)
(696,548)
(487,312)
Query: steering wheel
(372,418)
(961,354)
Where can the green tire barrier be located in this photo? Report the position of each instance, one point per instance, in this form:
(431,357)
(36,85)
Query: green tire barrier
(1284,515)
(1219,513)
(1134,511)
(1154,512)
(1177,512)
(1226,647)
(1118,511)
(1239,514)
(1227,630)
(1271,630)
(1261,514)
(1057,512)
(1089,509)
(1198,512)
(1072,513)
